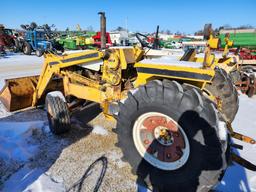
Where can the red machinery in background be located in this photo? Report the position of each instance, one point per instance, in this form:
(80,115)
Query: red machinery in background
(97,40)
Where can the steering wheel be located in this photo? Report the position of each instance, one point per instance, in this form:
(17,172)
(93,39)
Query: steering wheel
(143,42)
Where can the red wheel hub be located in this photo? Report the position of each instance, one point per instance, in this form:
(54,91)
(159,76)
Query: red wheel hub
(162,137)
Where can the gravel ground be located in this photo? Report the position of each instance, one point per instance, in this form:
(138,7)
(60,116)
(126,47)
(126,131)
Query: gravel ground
(68,156)
(82,151)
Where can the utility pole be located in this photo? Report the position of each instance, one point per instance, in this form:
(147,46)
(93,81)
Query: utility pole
(126,24)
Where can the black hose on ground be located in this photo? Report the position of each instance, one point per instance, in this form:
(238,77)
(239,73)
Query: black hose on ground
(80,182)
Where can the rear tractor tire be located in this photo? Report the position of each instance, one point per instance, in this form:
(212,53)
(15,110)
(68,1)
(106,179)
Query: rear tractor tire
(223,88)
(171,136)
(57,113)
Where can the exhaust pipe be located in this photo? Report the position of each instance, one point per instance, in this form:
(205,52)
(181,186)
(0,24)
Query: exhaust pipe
(102,29)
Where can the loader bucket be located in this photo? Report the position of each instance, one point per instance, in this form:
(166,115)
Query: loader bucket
(17,93)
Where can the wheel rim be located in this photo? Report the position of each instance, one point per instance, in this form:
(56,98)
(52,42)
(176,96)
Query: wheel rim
(161,141)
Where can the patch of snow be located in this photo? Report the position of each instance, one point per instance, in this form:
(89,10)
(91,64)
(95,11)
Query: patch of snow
(3,111)
(18,145)
(236,177)
(217,54)
(223,131)
(99,130)
(93,65)
(253,183)
(171,61)
(15,140)
(164,52)
(33,180)
(116,157)
(73,51)
(46,183)
(19,65)
(21,179)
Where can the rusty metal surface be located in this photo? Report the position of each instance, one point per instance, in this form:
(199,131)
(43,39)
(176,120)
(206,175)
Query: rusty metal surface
(166,153)
(243,138)
(239,136)
(247,83)
(18,92)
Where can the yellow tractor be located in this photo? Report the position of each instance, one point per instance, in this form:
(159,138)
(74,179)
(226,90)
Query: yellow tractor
(172,130)
(230,63)
(226,68)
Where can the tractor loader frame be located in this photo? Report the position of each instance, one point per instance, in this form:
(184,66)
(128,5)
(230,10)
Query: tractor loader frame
(57,75)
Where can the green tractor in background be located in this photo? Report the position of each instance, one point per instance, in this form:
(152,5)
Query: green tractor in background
(77,40)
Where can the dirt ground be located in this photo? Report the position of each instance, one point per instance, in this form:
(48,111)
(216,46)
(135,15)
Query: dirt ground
(67,157)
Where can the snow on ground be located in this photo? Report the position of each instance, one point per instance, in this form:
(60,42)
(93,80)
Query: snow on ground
(19,144)
(32,159)
(3,112)
(19,65)
(237,178)
(171,61)
(45,162)
(99,130)
(20,149)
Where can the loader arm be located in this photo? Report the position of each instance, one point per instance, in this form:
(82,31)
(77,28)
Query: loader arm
(54,64)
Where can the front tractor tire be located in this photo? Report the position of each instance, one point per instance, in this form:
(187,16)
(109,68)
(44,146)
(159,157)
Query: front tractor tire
(57,113)
(170,135)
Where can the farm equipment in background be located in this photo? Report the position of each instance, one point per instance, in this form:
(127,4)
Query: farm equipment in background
(86,41)
(228,62)
(170,123)
(76,41)
(245,38)
(245,41)
(13,39)
(97,40)
(247,82)
(154,42)
(8,39)
(38,39)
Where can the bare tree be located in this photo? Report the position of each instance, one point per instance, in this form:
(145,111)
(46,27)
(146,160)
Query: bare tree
(168,32)
(89,28)
(178,33)
(120,29)
(227,26)
(199,32)
(245,27)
